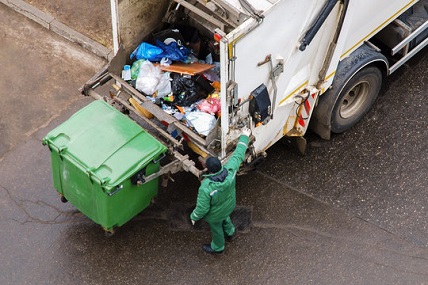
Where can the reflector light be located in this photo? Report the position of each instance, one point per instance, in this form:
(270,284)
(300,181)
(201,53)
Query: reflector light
(217,37)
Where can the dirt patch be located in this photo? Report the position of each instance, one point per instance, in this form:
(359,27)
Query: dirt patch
(40,75)
(91,18)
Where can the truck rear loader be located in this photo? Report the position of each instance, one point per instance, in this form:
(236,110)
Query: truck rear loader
(284,66)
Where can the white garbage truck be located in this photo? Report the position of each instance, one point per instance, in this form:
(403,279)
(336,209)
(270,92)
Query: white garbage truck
(283,65)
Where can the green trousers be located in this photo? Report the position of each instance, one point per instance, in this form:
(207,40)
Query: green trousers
(218,230)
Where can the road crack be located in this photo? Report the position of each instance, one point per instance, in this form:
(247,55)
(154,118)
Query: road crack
(24,205)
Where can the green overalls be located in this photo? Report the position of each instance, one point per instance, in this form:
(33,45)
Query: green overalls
(217,197)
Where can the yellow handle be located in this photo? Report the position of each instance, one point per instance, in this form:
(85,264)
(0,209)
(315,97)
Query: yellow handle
(140,109)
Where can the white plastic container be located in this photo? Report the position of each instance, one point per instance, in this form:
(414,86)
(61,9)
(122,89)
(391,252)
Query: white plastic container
(126,73)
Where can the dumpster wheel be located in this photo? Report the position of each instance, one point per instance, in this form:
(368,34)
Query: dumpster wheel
(63,199)
(108,232)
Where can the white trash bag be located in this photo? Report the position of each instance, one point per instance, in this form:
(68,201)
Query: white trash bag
(164,85)
(201,121)
(148,78)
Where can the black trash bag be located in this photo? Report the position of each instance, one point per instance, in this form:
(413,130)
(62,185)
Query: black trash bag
(185,90)
(169,35)
(189,34)
(209,46)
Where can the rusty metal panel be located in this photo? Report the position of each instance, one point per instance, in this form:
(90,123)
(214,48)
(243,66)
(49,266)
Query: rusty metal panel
(137,19)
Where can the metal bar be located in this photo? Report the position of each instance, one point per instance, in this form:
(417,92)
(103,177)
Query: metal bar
(228,8)
(160,114)
(91,92)
(201,13)
(408,56)
(224,75)
(181,162)
(413,35)
(98,75)
(161,131)
(333,45)
(164,170)
(407,30)
(118,188)
(146,103)
(94,80)
(373,46)
(224,13)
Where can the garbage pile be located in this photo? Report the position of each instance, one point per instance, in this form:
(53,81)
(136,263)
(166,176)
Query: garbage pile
(179,71)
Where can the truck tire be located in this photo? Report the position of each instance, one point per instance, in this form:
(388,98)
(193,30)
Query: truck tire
(356,98)
(355,87)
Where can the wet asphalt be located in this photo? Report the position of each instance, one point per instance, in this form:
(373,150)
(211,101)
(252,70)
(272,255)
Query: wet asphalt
(353,210)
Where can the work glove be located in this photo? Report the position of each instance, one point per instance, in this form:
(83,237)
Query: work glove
(246,131)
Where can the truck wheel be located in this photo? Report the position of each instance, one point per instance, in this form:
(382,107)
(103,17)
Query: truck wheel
(356,98)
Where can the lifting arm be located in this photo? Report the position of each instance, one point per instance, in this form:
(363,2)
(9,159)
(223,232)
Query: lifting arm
(313,30)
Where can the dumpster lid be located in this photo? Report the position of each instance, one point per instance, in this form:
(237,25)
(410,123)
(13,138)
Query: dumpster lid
(106,143)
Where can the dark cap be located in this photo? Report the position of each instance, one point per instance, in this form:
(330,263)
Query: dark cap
(213,164)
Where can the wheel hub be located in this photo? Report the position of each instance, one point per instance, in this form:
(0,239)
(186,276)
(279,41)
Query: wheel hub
(354,99)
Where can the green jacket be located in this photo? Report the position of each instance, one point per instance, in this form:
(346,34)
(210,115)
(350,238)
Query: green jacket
(217,193)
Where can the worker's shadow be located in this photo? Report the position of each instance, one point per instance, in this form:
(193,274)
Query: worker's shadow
(179,218)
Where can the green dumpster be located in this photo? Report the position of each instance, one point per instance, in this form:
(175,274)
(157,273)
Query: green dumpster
(96,156)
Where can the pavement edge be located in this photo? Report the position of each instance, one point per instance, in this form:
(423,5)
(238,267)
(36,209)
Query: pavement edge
(49,22)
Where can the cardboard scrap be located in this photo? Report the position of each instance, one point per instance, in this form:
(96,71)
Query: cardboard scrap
(184,68)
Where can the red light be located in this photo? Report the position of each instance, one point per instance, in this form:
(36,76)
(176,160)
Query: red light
(217,37)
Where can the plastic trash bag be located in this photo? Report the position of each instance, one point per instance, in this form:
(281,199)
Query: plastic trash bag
(165,61)
(147,51)
(164,85)
(202,122)
(211,105)
(212,74)
(186,90)
(173,51)
(148,78)
(135,68)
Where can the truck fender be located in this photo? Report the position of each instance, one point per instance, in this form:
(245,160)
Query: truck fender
(321,122)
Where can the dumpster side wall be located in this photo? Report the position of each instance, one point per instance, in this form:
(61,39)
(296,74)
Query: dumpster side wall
(137,19)
(89,197)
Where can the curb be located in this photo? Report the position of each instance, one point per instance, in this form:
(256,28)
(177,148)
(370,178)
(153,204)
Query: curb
(50,23)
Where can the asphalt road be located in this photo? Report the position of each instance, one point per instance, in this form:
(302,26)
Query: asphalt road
(352,211)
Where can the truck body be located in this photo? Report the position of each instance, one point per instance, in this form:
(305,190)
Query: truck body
(285,66)
(294,48)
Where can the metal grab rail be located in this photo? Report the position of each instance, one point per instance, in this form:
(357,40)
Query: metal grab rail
(407,40)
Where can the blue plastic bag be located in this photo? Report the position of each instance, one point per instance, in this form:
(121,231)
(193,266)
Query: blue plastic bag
(173,51)
(147,51)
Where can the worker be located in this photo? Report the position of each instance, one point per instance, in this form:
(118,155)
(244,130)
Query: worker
(217,196)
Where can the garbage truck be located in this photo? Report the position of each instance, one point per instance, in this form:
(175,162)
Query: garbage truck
(278,67)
